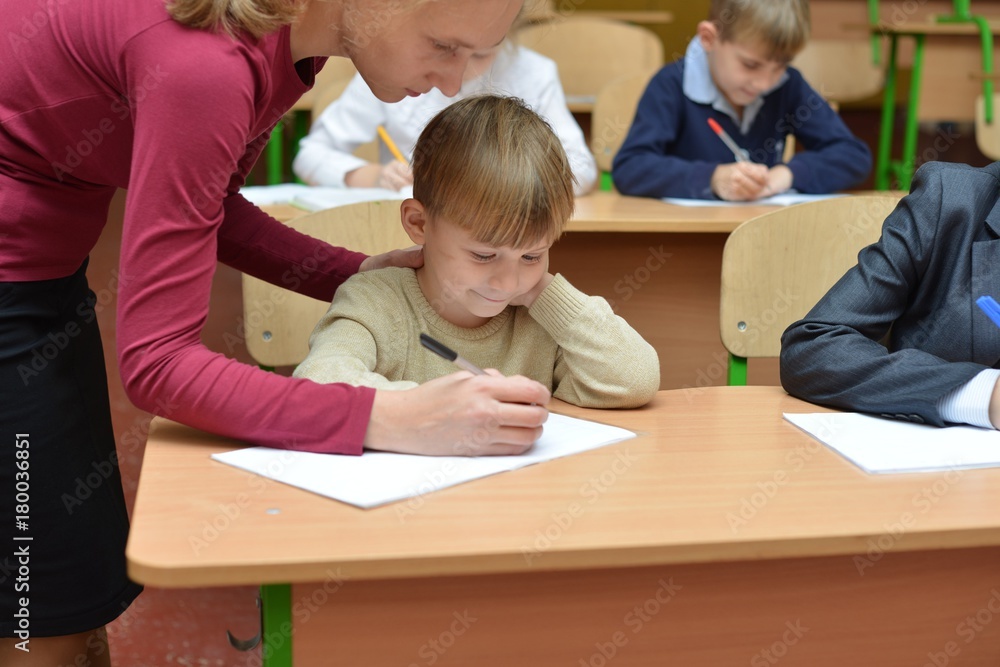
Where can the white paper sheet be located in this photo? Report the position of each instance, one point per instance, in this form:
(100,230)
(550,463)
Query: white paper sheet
(264,195)
(377,478)
(786,199)
(880,445)
(317,198)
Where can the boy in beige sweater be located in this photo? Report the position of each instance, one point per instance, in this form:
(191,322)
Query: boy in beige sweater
(492,192)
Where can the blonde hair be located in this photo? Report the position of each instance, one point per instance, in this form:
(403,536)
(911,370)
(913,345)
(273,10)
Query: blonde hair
(782,26)
(494,167)
(252,17)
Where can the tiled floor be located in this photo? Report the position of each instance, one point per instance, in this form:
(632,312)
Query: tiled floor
(187,627)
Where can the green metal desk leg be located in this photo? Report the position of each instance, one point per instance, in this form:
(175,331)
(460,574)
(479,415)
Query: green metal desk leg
(962,9)
(606,184)
(986,35)
(962,15)
(904,170)
(276,155)
(876,42)
(884,156)
(276,625)
(737,376)
(301,129)
(986,39)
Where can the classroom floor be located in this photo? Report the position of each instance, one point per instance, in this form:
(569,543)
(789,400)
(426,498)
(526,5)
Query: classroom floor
(188,627)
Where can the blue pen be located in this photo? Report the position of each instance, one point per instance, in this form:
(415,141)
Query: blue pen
(990,307)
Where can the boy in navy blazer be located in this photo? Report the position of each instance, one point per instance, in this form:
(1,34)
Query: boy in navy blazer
(736,72)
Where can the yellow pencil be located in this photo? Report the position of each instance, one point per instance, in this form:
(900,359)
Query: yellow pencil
(390,144)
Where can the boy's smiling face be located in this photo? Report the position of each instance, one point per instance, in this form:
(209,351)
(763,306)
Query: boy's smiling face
(741,70)
(468,282)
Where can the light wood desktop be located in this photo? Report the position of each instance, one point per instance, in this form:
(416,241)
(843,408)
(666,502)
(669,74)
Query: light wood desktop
(659,265)
(721,532)
(613,212)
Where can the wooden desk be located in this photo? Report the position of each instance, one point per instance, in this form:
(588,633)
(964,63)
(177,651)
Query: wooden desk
(659,266)
(720,533)
(613,212)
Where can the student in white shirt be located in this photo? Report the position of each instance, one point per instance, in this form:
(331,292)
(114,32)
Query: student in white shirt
(326,157)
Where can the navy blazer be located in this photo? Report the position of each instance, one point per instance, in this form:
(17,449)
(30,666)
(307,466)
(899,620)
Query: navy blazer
(915,290)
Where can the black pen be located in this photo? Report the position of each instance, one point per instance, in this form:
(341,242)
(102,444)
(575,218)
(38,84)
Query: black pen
(447,353)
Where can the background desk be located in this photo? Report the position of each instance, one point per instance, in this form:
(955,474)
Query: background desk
(721,532)
(659,266)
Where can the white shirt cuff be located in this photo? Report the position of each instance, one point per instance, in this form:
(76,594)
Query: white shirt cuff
(970,402)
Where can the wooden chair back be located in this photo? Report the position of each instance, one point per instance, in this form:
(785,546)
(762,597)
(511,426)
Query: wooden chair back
(593,51)
(988,134)
(841,70)
(775,267)
(614,110)
(278,321)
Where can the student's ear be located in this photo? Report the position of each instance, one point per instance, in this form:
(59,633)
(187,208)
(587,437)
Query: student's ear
(414,218)
(708,34)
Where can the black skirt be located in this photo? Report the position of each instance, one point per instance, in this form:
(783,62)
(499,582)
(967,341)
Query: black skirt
(63,522)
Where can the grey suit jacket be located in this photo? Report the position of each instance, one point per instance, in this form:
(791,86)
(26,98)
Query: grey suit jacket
(915,289)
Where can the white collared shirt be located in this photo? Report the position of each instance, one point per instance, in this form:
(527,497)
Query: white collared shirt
(325,156)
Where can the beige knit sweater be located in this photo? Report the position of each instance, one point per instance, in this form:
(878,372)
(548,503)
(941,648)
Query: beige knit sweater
(570,342)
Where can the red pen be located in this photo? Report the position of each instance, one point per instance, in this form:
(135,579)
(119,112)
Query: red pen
(728,141)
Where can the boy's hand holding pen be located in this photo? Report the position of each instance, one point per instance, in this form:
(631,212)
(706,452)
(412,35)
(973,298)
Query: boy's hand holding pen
(744,180)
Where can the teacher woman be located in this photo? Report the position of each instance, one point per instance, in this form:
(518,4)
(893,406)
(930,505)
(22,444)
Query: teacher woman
(174,101)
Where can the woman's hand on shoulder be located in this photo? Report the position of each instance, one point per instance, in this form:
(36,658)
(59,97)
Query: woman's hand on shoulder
(411,258)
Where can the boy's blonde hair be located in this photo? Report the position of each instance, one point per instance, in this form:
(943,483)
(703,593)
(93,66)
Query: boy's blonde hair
(782,26)
(252,17)
(494,167)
